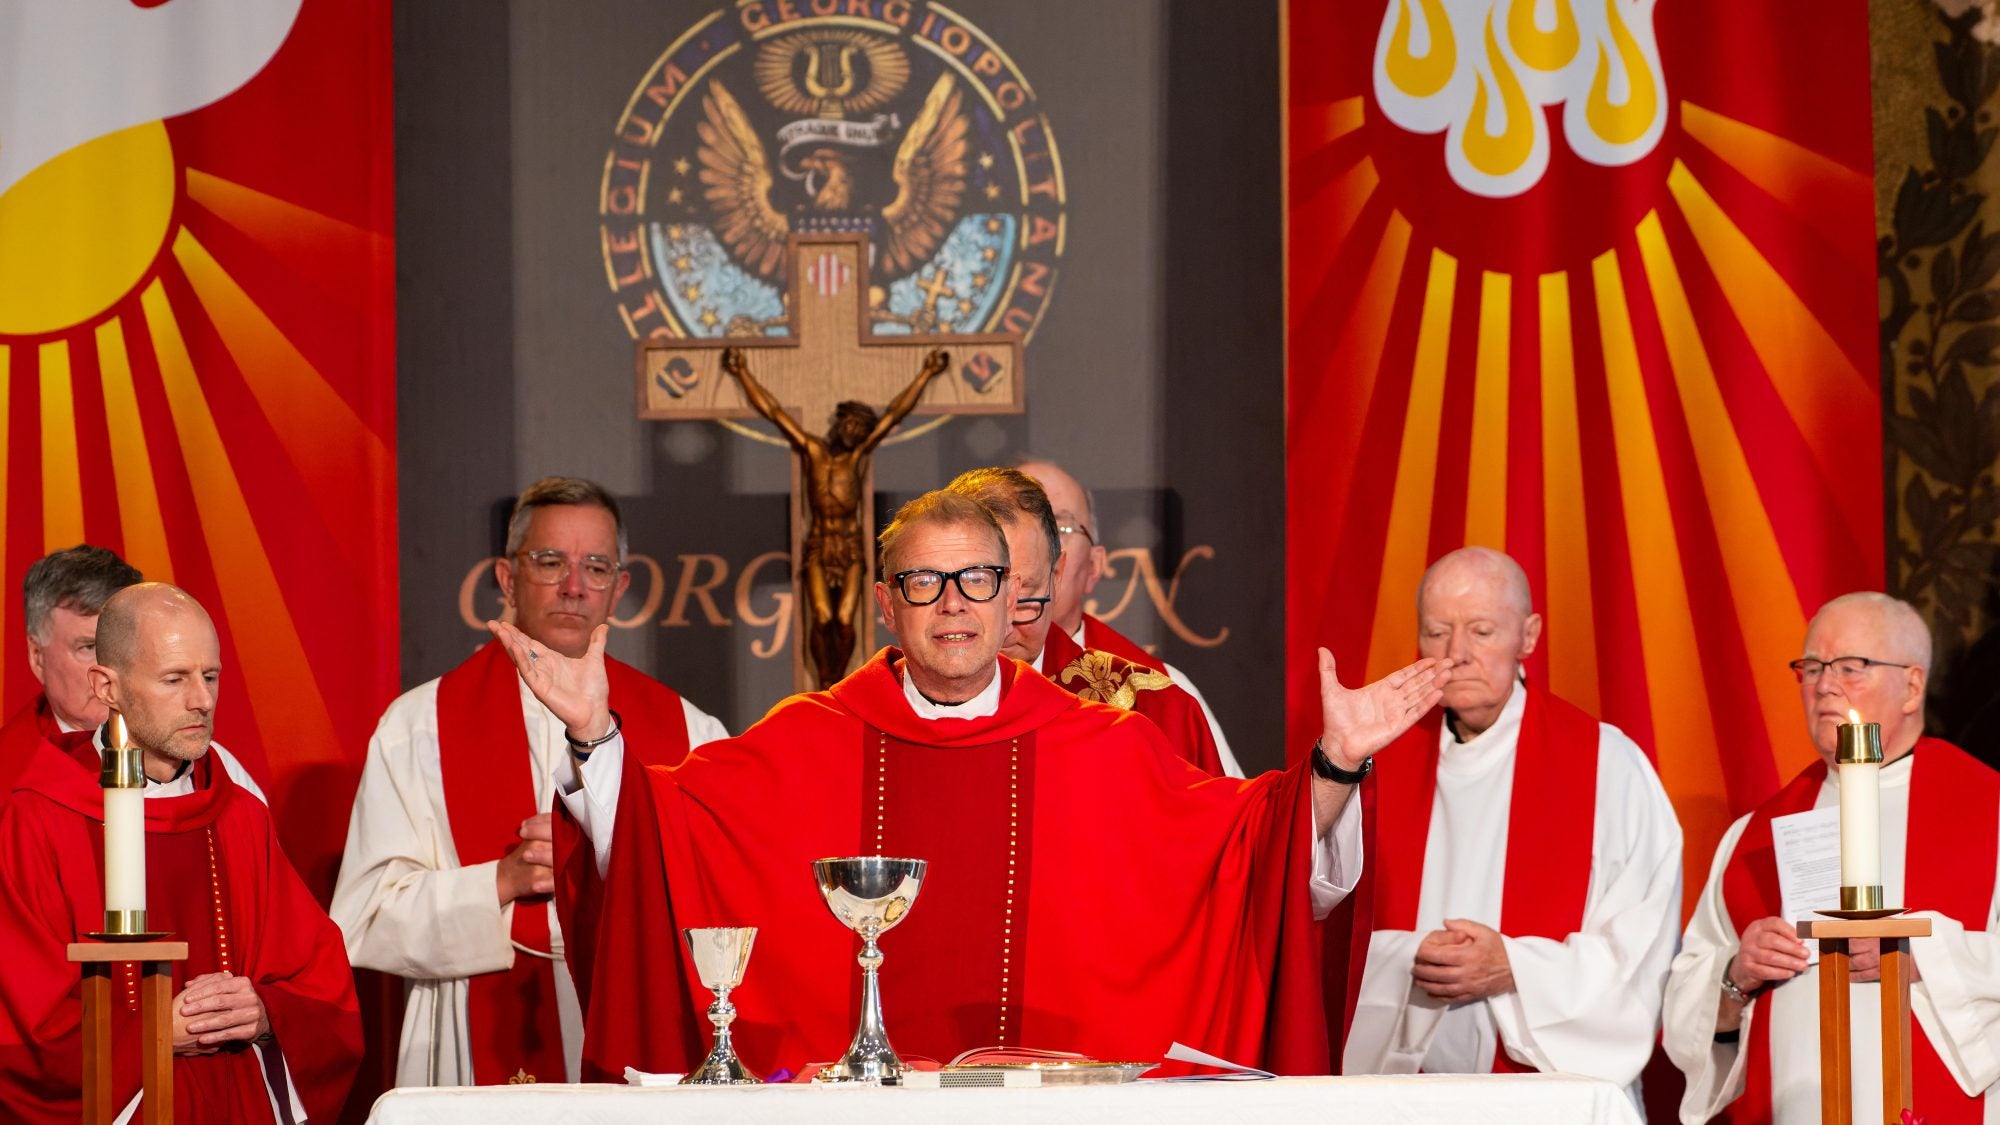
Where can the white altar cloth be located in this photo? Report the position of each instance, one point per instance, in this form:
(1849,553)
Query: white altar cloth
(1530,1099)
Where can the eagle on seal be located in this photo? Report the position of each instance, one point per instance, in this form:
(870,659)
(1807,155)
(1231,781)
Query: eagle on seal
(929,176)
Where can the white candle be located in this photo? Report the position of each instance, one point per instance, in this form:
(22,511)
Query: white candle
(124,849)
(1861,824)
(1859,759)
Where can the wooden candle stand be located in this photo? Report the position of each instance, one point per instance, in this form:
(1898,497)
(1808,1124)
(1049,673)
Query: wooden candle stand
(1836,1069)
(156,1025)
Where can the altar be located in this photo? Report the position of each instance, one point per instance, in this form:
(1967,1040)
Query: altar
(1488,1099)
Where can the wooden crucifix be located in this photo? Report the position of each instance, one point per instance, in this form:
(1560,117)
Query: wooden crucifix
(831,366)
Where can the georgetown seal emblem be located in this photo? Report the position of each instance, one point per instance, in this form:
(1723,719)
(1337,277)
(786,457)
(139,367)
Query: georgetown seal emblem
(895,120)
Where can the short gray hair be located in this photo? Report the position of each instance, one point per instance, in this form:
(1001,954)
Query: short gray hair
(942,508)
(550,492)
(80,579)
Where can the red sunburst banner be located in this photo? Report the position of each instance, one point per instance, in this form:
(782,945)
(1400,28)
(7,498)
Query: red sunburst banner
(1592,282)
(197,338)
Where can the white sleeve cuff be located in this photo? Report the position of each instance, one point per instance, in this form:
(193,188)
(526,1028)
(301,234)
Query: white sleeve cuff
(1336,859)
(592,800)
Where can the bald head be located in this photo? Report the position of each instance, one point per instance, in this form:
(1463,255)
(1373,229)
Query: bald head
(159,664)
(1899,628)
(1866,654)
(1473,608)
(1503,579)
(1081,546)
(1066,495)
(137,611)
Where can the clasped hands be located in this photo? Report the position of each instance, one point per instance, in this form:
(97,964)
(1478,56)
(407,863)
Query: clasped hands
(1464,961)
(215,1010)
(1772,953)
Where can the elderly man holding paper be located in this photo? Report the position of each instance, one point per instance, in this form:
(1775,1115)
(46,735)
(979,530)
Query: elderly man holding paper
(1742,1007)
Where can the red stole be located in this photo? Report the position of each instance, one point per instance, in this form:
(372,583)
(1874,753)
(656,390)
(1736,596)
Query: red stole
(1167,704)
(1551,823)
(489,789)
(1948,862)
(1097,635)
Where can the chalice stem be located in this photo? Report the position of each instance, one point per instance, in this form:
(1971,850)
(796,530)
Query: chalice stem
(870,1055)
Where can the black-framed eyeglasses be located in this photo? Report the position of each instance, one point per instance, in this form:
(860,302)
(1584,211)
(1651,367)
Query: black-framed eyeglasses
(1027,611)
(977,583)
(1846,669)
(549,568)
(1076,528)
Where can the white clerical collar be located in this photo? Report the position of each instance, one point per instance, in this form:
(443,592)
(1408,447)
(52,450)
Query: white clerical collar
(62,724)
(1502,734)
(987,702)
(1078,635)
(179,785)
(1036,663)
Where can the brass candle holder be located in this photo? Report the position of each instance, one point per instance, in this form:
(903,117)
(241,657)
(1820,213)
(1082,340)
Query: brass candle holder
(124,771)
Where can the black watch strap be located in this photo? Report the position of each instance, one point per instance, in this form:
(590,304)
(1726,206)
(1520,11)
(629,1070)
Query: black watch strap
(1324,767)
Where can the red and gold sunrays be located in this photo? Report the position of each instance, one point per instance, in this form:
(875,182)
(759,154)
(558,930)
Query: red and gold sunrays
(1650,384)
(212,395)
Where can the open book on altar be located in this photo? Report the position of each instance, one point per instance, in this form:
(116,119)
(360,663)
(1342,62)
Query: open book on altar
(1025,1066)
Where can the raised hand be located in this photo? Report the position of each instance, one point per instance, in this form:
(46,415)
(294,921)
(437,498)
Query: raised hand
(577,689)
(1358,722)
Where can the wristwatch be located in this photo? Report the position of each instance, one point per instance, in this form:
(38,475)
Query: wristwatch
(1323,766)
(1729,988)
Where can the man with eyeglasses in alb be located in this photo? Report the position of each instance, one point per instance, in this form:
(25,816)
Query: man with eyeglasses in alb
(1087,892)
(448,877)
(1742,1004)
(1034,542)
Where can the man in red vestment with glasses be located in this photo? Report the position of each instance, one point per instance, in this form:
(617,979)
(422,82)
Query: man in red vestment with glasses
(447,877)
(1088,891)
(265,1024)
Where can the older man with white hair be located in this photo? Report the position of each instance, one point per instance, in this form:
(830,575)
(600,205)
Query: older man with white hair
(1524,889)
(1742,1006)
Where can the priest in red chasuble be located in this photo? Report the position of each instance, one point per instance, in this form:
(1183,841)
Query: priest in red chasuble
(265,1024)
(1742,1006)
(1022,509)
(60,599)
(447,879)
(1088,889)
(1084,562)
(1523,894)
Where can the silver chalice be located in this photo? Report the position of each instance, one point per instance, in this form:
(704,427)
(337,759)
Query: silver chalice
(870,894)
(721,953)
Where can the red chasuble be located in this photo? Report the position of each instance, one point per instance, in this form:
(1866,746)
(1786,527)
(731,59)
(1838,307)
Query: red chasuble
(489,789)
(215,878)
(1088,891)
(1948,863)
(21,735)
(1551,826)
(1104,677)
(1100,637)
